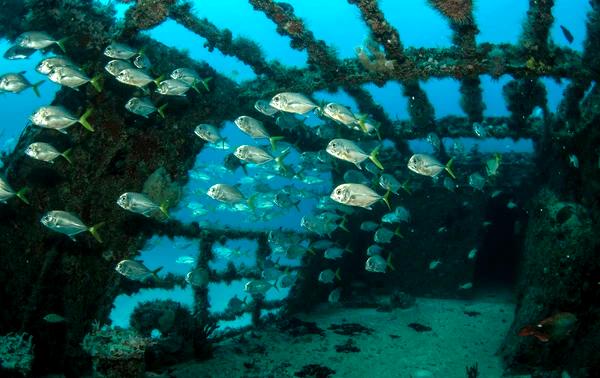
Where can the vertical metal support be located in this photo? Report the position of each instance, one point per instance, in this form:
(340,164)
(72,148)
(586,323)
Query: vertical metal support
(262,252)
(201,300)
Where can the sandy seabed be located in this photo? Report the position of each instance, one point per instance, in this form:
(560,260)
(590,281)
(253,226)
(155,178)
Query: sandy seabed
(462,333)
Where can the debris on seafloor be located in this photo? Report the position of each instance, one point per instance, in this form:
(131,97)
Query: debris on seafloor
(16,353)
(348,347)
(419,327)
(296,327)
(314,371)
(350,329)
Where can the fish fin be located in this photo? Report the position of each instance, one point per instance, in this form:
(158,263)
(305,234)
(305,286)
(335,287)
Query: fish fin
(164,208)
(448,168)
(398,233)
(36,87)
(159,79)
(94,231)
(386,199)
(62,131)
(161,110)
(373,157)
(155,273)
(358,166)
(348,249)
(296,205)
(337,274)
(250,201)
(244,169)
(342,225)
(406,186)
(96,83)
(84,122)
(361,123)
(67,155)
(21,195)
(279,159)
(205,83)
(389,262)
(311,251)
(275,285)
(195,87)
(273,140)
(61,44)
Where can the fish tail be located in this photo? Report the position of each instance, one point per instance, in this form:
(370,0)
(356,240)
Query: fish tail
(386,199)
(374,158)
(311,251)
(96,83)
(195,87)
(398,233)
(36,87)
(296,205)
(94,231)
(279,159)
(250,201)
(342,225)
(406,186)
(61,44)
(273,140)
(275,285)
(84,122)
(361,123)
(389,262)
(161,110)
(205,83)
(21,195)
(448,168)
(337,274)
(159,79)
(164,208)
(67,155)
(348,248)
(155,272)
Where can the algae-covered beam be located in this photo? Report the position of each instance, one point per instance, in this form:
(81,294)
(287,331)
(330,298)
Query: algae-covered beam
(419,107)
(288,24)
(462,22)
(244,49)
(536,29)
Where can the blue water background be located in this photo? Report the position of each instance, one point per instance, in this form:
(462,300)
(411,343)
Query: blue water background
(340,25)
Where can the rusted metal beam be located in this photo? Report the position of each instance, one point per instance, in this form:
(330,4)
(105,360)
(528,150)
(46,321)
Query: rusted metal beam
(536,29)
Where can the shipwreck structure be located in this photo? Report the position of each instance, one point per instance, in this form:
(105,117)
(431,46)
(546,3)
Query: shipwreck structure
(557,249)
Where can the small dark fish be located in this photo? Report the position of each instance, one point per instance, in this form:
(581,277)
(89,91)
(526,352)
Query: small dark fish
(419,327)
(18,52)
(567,34)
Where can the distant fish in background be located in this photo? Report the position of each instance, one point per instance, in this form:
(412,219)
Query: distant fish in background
(119,51)
(17,83)
(7,192)
(567,34)
(427,165)
(54,318)
(557,326)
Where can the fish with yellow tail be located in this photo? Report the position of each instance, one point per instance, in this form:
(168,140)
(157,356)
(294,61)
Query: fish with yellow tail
(558,326)
(255,129)
(69,224)
(7,192)
(229,194)
(59,118)
(46,152)
(136,271)
(376,264)
(427,165)
(347,150)
(39,40)
(358,195)
(257,155)
(291,102)
(141,204)
(17,83)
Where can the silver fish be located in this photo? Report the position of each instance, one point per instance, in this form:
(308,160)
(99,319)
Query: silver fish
(73,77)
(264,107)
(492,165)
(356,176)
(144,107)
(185,260)
(135,77)
(284,200)
(318,225)
(376,264)
(253,154)
(54,318)
(59,118)
(374,249)
(389,182)
(7,192)
(327,276)
(46,152)
(480,130)
(226,193)
(172,87)
(477,181)
(292,103)
(333,253)
(47,65)
(384,235)
(190,77)
(198,277)
(119,51)
(271,274)
(287,280)
(258,286)
(208,133)
(235,304)
(142,62)
(321,245)
(17,52)
(334,295)
(115,66)
(255,129)
(347,150)
(38,40)
(368,226)
(17,83)
(141,204)
(449,184)
(427,165)
(357,195)
(136,271)
(69,224)
(434,140)
(340,113)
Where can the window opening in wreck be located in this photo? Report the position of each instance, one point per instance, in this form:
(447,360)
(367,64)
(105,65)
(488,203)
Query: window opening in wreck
(239,252)
(571,14)
(409,18)
(256,27)
(444,96)
(503,20)
(172,34)
(396,107)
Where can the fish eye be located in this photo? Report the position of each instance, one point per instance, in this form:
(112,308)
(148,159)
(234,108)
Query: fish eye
(276,98)
(338,191)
